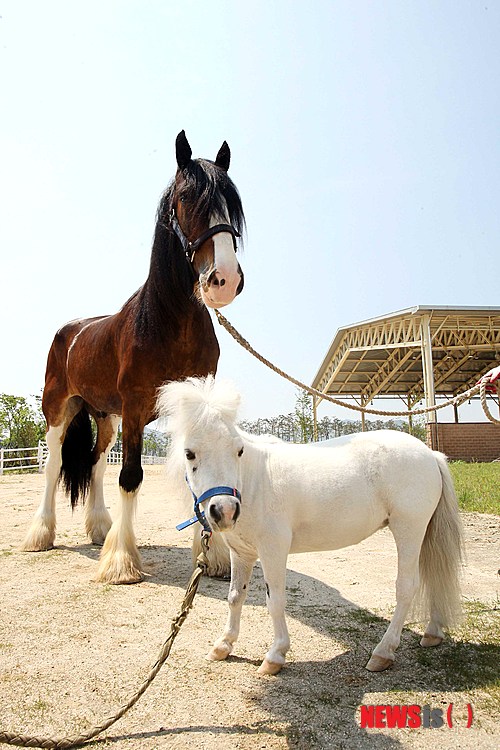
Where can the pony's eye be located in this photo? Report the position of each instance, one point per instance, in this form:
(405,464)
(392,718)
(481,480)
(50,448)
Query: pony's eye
(240,452)
(189,455)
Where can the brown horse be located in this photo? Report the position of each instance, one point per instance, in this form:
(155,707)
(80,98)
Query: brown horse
(111,366)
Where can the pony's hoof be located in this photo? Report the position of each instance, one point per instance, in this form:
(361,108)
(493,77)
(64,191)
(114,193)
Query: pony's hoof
(430,640)
(378,663)
(219,653)
(269,667)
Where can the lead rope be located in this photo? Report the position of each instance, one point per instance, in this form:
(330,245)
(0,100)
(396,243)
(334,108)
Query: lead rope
(481,386)
(13,738)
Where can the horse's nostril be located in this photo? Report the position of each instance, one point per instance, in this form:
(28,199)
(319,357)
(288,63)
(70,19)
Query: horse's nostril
(222,282)
(237,512)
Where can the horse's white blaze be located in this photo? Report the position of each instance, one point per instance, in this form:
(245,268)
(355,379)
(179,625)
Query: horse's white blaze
(227,274)
(41,534)
(299,498)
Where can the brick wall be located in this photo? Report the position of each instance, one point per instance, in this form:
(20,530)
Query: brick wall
(469,441)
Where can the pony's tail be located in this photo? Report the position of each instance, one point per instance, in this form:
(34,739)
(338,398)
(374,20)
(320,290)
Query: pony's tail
(441,557)
(77,458)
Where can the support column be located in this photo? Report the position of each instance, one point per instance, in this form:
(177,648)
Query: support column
(428,373)
(315,419)
(410,418)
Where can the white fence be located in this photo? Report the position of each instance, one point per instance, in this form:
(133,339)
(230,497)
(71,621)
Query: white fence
(116,457)
(17,459)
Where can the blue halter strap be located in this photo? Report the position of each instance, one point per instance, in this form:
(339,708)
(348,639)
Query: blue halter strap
(199,514)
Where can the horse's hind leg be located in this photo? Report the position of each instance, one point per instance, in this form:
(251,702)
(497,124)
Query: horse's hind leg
(42,532)
(408,539)
(97,518)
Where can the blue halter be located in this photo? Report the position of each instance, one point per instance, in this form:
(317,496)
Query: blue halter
(199,514)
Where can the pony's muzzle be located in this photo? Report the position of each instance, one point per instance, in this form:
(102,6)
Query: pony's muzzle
(224,513)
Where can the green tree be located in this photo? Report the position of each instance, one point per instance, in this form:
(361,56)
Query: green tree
(304,416)
(21,425)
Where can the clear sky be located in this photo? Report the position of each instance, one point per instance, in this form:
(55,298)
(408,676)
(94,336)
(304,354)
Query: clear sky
(365,145)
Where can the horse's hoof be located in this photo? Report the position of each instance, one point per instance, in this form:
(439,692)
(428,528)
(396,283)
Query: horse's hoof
(27,547)
(98,529)
(40,538)
(219,571)
(269,667)
(112,572)
(430,640)
(119,578)
(378,663)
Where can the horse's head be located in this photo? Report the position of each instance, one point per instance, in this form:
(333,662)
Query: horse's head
(206,214)
(202,417)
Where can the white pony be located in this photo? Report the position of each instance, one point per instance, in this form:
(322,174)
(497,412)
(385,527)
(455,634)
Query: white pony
(299,498)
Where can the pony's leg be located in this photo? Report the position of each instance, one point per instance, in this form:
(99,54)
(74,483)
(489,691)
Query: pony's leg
(97,519)
(434,633)
(241,571)
(120,561)
(408,538)
(274,568)
(42,532)
(219,561)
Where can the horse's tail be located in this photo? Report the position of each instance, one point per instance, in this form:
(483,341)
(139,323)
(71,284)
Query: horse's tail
(441,556)
(77,460)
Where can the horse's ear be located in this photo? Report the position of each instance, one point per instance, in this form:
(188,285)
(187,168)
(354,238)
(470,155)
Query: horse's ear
(182,150)
(223,157)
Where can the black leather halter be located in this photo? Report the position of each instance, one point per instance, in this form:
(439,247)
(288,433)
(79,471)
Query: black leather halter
(189,247)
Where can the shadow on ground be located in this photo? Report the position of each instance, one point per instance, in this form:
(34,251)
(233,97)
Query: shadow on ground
(322,697)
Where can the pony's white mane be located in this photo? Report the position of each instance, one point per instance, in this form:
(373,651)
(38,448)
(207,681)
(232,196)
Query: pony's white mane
(193,402)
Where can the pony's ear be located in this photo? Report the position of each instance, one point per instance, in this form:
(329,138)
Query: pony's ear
(182,150)
(223,157)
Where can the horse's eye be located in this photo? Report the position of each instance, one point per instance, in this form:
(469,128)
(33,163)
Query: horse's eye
(240,452)
(189,455)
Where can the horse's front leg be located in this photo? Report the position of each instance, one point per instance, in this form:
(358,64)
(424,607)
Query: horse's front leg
(120,560)
(274,568)
(241,571)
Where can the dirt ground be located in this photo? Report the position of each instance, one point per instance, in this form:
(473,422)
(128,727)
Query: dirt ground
(72,651)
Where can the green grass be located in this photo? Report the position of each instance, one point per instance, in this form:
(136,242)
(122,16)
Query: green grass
(477,486)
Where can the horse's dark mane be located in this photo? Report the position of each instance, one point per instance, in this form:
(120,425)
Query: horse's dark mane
(165,298)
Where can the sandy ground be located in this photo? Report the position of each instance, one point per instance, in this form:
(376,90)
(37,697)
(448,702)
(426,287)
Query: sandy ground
(72,651)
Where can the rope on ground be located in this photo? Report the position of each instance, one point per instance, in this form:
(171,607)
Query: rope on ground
(479,387)
(13,738)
